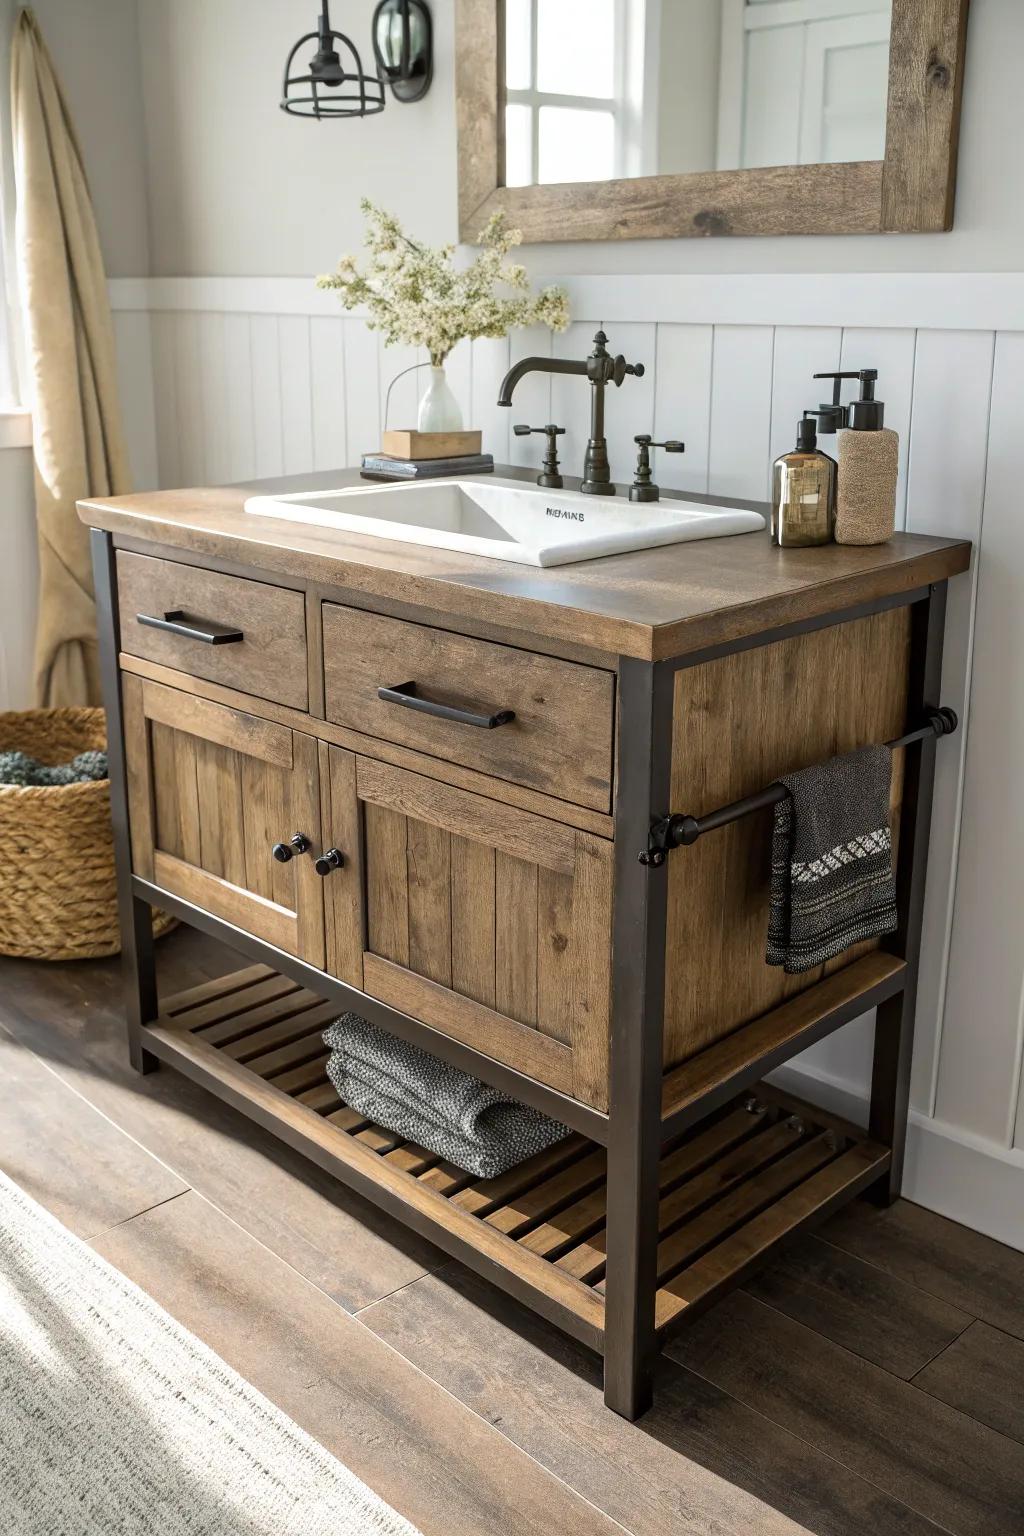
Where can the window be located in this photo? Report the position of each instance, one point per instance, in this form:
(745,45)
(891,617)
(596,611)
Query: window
(567,117)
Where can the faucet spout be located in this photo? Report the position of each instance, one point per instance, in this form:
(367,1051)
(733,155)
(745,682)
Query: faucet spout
(536,365)
(601,369)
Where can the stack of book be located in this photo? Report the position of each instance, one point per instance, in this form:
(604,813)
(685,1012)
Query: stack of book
(426,455)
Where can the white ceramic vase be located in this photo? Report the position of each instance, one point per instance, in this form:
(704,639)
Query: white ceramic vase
(439,410)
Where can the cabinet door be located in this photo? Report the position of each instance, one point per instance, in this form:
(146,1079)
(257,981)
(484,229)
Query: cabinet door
(487,923)
(211,791)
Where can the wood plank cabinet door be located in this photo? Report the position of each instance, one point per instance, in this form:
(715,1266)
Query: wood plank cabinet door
(488,923)
(211,791)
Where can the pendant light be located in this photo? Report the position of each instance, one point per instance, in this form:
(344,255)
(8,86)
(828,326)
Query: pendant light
(333,84)
(403,46)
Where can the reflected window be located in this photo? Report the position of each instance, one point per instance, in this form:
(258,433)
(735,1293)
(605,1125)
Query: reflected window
(566,113)
(600,89)
(803,84)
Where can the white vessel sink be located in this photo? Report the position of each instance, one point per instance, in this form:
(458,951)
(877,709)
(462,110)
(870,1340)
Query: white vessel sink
(506,519)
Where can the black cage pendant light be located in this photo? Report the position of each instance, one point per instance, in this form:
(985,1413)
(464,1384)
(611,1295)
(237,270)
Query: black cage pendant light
(333,83)
(403,45)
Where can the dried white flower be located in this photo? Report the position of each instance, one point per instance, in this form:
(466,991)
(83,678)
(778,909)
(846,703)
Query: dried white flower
(414,294)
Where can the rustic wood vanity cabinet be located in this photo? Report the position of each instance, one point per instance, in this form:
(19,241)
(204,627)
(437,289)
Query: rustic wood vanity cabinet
(436,789)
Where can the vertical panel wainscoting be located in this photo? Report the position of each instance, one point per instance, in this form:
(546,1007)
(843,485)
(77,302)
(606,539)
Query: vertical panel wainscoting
(227,380)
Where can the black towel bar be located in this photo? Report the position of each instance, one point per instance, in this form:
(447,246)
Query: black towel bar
(681,831)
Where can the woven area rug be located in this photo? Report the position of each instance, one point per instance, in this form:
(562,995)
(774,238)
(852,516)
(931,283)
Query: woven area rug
(114,1419)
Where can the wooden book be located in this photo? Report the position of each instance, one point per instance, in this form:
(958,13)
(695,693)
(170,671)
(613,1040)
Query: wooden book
(430,445)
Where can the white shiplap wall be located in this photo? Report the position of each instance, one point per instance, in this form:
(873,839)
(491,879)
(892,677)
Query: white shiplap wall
(229,380)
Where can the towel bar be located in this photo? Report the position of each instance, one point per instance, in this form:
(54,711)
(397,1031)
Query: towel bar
(680,831)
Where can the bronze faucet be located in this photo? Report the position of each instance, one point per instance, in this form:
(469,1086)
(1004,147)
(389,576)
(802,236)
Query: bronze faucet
(601,369)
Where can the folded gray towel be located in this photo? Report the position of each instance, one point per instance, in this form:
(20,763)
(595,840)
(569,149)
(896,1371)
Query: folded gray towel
(406,1090)
(832,876)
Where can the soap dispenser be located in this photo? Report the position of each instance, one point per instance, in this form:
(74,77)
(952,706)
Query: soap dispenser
(803,492)
(868,456)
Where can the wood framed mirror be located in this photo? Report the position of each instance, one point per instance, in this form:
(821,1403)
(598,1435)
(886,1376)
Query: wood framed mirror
(648,119)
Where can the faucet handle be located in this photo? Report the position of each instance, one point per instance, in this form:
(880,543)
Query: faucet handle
(643,487)
(670,445)
(620,368)
(549,475)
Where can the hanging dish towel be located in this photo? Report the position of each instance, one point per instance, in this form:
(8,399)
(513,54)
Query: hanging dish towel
(406,1090)
(832,875)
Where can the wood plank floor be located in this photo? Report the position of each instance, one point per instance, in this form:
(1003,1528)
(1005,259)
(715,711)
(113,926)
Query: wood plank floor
(869,1383)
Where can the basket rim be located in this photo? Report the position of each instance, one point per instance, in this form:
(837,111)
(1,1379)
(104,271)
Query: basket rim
(38,790)
(87,721)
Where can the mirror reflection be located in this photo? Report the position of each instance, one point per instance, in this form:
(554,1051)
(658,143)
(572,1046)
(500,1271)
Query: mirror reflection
(601,89)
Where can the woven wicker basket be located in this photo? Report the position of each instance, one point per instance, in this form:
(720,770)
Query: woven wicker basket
(58,897)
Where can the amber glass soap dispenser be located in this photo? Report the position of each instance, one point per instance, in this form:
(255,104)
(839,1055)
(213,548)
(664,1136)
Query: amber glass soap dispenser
(804,492)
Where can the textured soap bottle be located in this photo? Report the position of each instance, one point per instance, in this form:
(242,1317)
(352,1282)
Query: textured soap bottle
(803,492)
(868,457)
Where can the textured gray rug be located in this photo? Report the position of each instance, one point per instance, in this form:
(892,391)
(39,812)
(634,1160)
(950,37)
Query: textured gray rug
(114,1419)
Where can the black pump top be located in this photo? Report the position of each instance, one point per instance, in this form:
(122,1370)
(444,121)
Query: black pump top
(807,434)
(864,415)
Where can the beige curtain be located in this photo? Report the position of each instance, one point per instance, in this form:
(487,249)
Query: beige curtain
(70,346)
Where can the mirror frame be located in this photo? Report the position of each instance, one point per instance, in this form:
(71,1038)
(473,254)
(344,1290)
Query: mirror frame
(910,191)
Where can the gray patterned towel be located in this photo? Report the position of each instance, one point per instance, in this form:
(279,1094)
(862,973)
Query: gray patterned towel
(408,1091)
(832,876)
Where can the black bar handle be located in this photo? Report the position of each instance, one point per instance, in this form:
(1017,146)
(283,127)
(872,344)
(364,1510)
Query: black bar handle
(406,695)
(681,831)
(207,630)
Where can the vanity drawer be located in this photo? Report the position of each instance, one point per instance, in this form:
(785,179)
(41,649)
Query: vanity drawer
(244,634)
(559,741)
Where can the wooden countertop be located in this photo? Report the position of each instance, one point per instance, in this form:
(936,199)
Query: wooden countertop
(650,604)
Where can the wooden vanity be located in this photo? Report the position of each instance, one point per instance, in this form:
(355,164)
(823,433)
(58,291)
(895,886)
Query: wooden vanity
(478,889)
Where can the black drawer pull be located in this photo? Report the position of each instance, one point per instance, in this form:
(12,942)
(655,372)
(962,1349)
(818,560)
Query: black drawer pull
(405,694)
(207,630)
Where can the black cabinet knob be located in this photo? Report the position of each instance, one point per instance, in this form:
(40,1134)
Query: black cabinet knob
(332,859)
(284,851)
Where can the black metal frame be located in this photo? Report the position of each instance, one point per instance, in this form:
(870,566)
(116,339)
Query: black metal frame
(894,1021)
(634,1129)
(638,1004)
(638,977)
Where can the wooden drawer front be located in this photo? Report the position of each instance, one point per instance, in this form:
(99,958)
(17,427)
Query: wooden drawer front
(269,661)
(211,790)
(488,923)
(560,741)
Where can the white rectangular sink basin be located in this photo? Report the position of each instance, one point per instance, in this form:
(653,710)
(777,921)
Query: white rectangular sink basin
(506,519)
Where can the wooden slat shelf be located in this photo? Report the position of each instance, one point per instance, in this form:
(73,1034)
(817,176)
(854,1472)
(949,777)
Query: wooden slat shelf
(731,1188)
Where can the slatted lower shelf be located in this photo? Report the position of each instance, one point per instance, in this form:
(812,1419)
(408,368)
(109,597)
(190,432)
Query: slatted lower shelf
(730,1190)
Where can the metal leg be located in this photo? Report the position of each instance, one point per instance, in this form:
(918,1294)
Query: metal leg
(138,979)
(638,995)
(894,1024)
(138,968)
